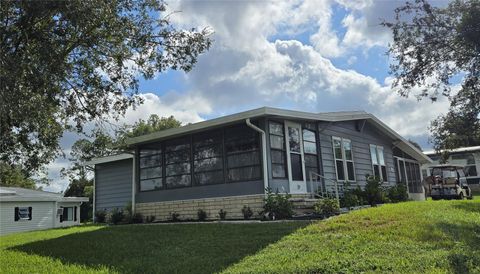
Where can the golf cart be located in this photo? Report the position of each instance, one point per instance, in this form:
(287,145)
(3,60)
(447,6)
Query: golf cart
(448,182)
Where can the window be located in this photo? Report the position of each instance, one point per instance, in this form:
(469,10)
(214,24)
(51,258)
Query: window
(23,214)
(310,151)
(344,165)
(67,214)
(242,154)
(177,163)
(277,150)
(151,167)
(208,158)
(378,162)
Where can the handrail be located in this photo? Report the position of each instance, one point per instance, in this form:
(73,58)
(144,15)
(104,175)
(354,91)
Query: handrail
(324,188)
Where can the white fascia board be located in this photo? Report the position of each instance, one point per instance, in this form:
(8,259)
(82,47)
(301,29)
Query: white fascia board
(73,199)
(44,199)
(456,150)
(112,158)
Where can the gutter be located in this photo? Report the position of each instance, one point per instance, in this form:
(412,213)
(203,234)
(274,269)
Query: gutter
(264,152)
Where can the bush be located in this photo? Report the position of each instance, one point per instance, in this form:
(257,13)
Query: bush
(247,212)
(374,193)
(101,216)
(174,217)
(352,198)
(116,216)
(201,215)
(137,218)
(150,219)
(222,214)
(278,206)
(327,207)
(398,193)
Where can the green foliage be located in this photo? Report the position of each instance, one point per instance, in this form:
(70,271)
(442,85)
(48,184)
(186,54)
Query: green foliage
(137,218)
(174,216)
(101,216)
(201,215)
(327,207)
(14,176)
(397,193)
(352,198)
(278,206)
(174,248)
(432,48)
(222,214)
(374,193)
(82,187)
(115,216)
(247,212)
(65,63)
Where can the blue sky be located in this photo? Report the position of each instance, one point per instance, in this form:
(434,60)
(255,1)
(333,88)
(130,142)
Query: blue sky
(322,55)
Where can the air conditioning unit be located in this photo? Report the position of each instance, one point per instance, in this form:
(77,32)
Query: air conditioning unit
(59,211)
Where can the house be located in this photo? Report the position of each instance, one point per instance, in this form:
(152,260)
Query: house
(26,209)
(469,157)
(228,162)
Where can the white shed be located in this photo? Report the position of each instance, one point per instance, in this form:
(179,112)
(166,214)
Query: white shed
(26,209)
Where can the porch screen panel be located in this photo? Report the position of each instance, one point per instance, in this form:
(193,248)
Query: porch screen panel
(151,167)
(208,158)
(243,154)
(177,163)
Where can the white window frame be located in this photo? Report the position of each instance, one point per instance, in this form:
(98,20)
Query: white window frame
(376,149)
(344,159)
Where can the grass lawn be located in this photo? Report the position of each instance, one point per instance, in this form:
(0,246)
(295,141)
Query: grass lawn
(415,237)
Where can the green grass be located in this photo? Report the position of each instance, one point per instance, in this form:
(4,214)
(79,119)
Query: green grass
(412,237)
(187,248)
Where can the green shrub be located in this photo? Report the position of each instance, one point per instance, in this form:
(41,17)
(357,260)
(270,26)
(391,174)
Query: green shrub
(398,193)
(101,216)
(278,206)
(222,214)
(201,215)
(327,207)
(374,193)
(150,219)
(174,217)
(137,218)
(352,198)
(116,216)
(247,212)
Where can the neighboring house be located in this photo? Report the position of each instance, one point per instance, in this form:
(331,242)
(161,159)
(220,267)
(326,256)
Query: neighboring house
(26,209)
(469,157)
(228,162)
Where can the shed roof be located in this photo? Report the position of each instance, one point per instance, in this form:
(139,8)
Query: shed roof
(14,194)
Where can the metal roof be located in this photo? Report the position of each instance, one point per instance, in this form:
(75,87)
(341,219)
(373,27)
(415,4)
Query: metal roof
(456,150)
(339,116)
(14,194)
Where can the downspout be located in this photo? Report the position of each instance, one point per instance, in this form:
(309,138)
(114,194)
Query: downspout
(134,175)
(264,152)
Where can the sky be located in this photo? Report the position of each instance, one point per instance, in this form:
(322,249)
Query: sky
(317,56)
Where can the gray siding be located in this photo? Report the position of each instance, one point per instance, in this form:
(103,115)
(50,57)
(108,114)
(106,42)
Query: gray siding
(113,184)
(361,149)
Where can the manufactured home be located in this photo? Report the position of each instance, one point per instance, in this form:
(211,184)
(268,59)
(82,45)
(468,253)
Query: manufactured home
(229,162)
(26,209)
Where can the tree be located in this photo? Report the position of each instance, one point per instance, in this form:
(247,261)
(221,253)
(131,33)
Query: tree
(433,47)
(65,63)
(11,176)
(82,187)
(102,144)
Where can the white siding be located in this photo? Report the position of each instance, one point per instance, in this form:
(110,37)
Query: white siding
(42,216)
(68,223)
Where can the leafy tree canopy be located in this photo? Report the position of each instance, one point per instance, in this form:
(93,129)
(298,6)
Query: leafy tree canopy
(102,143)
(64,63)
(436,48)
(13,176)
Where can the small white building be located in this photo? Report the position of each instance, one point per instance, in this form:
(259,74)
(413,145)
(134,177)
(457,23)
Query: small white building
(26,209)
(469,157)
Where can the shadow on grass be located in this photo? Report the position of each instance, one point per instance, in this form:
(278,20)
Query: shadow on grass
(468,206)
(197,248)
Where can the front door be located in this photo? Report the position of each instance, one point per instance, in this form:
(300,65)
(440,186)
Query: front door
(295,161)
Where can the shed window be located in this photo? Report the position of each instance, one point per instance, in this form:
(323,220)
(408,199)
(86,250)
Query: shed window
(344,164)
(277,150)
(378,162)
(23,213)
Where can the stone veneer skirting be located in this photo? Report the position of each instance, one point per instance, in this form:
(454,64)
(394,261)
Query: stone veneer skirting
(188,208)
